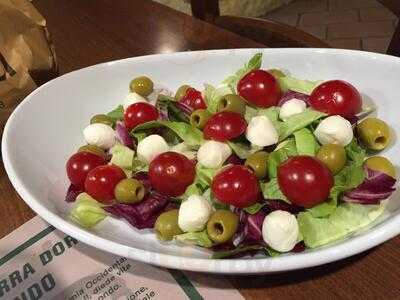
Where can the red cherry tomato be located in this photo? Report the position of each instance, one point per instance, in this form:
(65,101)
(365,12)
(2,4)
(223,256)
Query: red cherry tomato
(336,97)
(170,173)
(139,113)
(304,180)
(236,185)
(224,126)
(101,181)
(259,88)
(194,99)
(80,164)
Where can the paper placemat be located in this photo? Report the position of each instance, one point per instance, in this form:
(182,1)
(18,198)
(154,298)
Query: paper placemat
(39,262)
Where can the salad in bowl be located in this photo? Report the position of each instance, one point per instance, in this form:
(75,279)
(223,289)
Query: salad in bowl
(261,163)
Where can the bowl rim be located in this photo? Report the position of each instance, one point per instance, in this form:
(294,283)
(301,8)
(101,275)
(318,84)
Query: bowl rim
(349,247)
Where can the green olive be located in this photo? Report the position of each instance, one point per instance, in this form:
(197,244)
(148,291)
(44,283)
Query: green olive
(374,133)
(222,225)
(104,119)
(333,156)
(233,103)
(276,73)
(141,85)
(258,163)
(93,149)
(129,190)
(181,92)
(381,164)
(199,118)
(166,225)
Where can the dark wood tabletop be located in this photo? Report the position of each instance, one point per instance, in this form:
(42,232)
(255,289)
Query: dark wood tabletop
(94,31)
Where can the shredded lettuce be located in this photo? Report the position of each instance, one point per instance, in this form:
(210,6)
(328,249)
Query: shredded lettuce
(195,238)
(86,211)
(253,64)
(346,219)
(190,135)
(297,85)
(122,156)
(213,95)
(272,191)
(306,144)
(283,151)
(117,114)
(298,121)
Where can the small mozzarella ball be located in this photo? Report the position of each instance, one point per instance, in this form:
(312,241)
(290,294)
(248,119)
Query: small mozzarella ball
(261,132)
(183,149)
(212,154)
(292,107)
(133,98)
(194,213)
(280,230)
(334,130)
(100,135)
(151,146)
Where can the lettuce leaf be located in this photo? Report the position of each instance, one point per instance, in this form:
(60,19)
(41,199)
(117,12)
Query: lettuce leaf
(117,114)
(355,152)
(195,238)
(243,150)
(298,121)
(86,211)
(306,144)
(204,176)
(255,208)
(282,152)
(213,95)
(253,64)
(272,191)
(122,156)
(297,85)
(346,219)
(190,135)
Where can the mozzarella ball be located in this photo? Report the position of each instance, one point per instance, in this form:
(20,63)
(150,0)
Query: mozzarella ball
(280,230)
(133,98)
(261,132)
(100,135)
(194,213)
(151,146)
(183,149)
(212,154)
(334,130)
(292,107)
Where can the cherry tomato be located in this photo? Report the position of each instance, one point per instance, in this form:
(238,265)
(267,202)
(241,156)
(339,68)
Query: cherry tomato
(224,126)
(236,185)
(194,99)
(260,88)
(304,180)
(170,173)
(80,164)
(336,97)
(101,181)
(139,113)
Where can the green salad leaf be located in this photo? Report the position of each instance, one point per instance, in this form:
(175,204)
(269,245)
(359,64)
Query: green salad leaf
(250,113)
(214,94)
(355,152)
(282,152)
(272,191)
(253,64)
(204,176)
(271,252)
(272,113)
(243,150)
(298,121)
(139,165)
(298,85)
(122,156)
(255,208)
(190,135)
(306,144)
(168,103)
(139,135)
(117,114)
(346,219)
(86,211)
(195,238)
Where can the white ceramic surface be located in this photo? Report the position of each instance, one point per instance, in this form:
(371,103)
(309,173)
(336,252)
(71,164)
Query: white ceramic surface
(46,129)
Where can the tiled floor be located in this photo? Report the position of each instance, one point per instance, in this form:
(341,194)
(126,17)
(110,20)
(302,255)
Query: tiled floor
(351,24)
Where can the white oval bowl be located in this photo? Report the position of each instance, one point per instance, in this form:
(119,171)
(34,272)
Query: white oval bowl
(46,128)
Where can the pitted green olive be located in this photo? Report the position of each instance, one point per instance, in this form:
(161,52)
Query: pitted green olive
(374,133)
(199,118)
(141,85)
(222,225)
(129,190)
(333,156)
(166,226)
(258,163)
(181,92)
(233,103)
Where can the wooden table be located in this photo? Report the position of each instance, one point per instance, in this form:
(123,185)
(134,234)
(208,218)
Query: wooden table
(93,31)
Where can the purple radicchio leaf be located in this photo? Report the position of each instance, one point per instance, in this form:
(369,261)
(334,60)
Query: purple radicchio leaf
(73,192)
(289,95)
(123,136)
